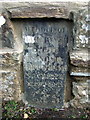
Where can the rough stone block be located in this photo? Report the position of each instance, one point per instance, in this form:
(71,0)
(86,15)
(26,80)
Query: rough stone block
(82,29)
(11,77)
(10,58)
(81,94)
(10,88)
(80,58)
(7,33)
(80,73)
(40,11)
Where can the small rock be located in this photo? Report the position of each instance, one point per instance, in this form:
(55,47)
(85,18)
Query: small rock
(66,105)
(26,115)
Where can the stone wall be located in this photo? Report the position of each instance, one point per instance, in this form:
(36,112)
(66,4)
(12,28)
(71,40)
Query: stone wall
(77,93)
(80,60)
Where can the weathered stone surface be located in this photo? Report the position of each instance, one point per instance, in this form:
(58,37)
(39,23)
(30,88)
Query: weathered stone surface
(42,9)
(6,33)
(79,78)
(80,58)
(45,61)
(10,58)
(82,28)
(79,69)
(11,79)
(39,12)
(9,85)
(80,72)
(81,93)
(78,12)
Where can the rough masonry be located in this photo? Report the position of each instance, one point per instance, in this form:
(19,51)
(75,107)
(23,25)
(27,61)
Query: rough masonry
(77,90)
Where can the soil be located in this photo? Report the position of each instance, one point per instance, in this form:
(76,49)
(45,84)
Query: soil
(18,110)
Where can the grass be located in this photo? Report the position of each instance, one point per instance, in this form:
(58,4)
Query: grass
(13,109)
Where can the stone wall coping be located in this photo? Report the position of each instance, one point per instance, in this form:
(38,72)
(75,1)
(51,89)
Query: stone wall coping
(40,10)
(80,54)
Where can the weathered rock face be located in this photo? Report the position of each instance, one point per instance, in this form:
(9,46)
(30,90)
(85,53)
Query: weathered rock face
(10,87)
(82,28)
(11,79)
(9,58)
(80,61)
(11,48)
(10,73)
(6,34)
(80,58)
(81,91)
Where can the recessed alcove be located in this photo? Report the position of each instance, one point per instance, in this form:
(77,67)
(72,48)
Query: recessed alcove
(44,52)
(46,43)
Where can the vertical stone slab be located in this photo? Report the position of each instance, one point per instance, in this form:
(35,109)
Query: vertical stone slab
(45,61)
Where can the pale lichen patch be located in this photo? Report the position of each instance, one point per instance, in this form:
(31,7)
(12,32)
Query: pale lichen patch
(2,20)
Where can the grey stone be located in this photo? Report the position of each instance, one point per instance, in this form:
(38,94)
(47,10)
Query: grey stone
(80,58)
(10,58)
(6,33)
(9,85)
(82,29)
(11,80)
(76,11)
(45,61)
(40,11)
(81,93)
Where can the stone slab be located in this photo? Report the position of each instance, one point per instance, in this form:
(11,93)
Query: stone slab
(80,72)
(45,61)
(80,58)
(40,11)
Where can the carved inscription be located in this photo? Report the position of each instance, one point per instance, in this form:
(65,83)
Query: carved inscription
(45,62)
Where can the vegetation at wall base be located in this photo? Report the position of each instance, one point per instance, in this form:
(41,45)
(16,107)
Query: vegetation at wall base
(18,110)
